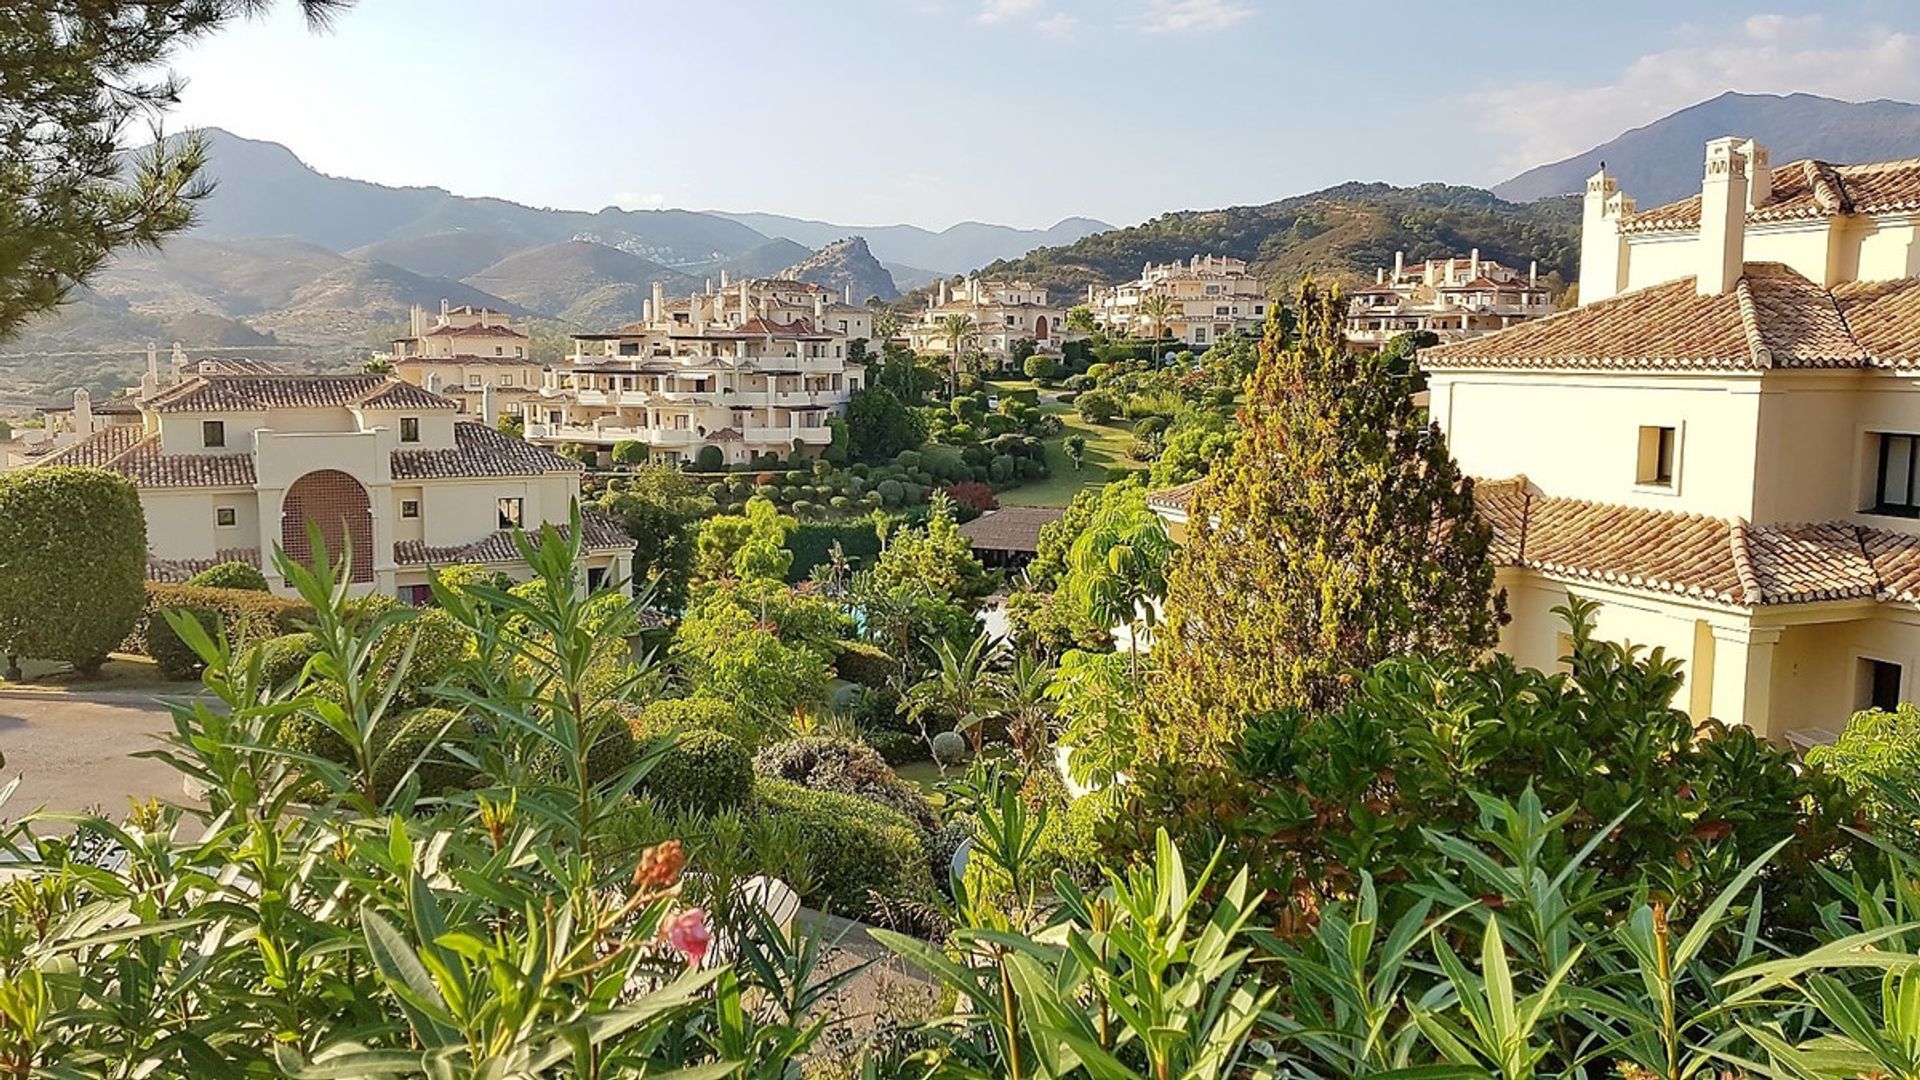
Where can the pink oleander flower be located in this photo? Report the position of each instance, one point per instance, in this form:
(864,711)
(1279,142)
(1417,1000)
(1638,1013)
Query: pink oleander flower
(689,935)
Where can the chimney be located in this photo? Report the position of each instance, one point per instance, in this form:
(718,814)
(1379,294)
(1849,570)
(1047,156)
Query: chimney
(1533,273)
(660,301)
(444,308)
(723,278)
(846,294)
(1603,251)
(1451,279)
(433,382)
(943,291)
(646,312)
(82,412)
(1427,275)
(696,314)
(179,362)
(150,382)
(487,415)
(708,291)
(1723,218)
(746,302)
(1759,174)
(1399,265)
(419,321)
(819,310)
(1473,264)
(1380,276)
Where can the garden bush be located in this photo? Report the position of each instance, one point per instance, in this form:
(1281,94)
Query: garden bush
(629,453)
(857,849)
(282,658)
(700,770)
(73,560)
(864,664)
(820,763)
(231,575)
(246,616)
(812,544)
(896,748)
(710,459)
(949,748)
(1878,757)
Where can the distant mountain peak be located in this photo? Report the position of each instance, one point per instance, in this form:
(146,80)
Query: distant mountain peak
(1660,162)
(843,263)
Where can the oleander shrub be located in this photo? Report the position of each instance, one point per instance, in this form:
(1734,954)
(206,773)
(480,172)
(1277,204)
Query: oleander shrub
(73,561)
(231,575)
(821,763)
(862,856)
(246,617)
(422,731)
(864,664)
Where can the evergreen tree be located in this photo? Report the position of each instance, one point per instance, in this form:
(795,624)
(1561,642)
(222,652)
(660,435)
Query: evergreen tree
(1338,533)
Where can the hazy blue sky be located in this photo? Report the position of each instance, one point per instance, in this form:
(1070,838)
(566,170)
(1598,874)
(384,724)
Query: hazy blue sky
(1017,111)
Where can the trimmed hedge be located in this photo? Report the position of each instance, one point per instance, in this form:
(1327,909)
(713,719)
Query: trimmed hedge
(856,849)
(699,713)
(896,747)
(282,658)
(439,772)
(812,541)
(231,575)
(819,763)
(73,557)
(703,772)
(246,615)
(865,665)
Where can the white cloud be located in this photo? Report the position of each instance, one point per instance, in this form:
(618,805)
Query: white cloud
(1190,16)
(639,200)
(996,11)
(1547,121)
(1059,25)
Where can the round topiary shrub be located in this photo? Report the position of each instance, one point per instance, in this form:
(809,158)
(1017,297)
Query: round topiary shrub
(702,713)
(424,736)
(819,763)
(700,771)
(949,748)
(710,459)
(865,665)
(856,849)
(891,492)
(282,658)
(231,575)
(73,563)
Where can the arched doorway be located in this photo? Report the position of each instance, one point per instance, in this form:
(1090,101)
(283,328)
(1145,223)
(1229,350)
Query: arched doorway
(336,505)
(1040,328)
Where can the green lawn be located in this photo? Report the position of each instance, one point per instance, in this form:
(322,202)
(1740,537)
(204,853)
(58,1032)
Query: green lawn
(1106,447)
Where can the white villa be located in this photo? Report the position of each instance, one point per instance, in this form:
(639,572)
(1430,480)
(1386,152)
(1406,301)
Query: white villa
(1722,443)
(1211,296)
(753,367)
(232,460)
(466,351)
(1003,314)
(1453,298)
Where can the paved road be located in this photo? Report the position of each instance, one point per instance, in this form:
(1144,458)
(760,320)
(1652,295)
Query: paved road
(72,751)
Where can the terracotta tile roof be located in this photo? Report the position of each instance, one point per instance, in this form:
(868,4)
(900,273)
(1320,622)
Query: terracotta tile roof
(1806,189)
(130,451)
(1884,317)
(1178,497)
(1773,318)
(1010,528)
(248,393)
(101,448)
(177,571)
(476,330)
(467,358)
(1695,555)
(236,365)
(117,405)
(600,534)
(480,451)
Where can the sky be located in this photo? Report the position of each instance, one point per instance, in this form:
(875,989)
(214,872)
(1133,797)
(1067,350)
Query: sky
(1018,112)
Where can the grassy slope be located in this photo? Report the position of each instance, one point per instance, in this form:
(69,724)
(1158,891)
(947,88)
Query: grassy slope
(1106,448)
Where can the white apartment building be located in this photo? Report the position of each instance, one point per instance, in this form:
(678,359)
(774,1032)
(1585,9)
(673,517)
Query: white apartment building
(754,367)
(1721,444)
(232,461)
(1453,298)
(1210,297)
(1003,313)
(464,351)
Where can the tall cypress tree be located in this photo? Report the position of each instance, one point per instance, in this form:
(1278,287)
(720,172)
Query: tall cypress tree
(1339,532)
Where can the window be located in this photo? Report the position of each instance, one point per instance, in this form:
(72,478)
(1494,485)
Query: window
(213,433)
(505,380)
(1894,491)
(410,508)
(225,517)
(1878,685)
(1259,309)
(1656,456)
(409,429)
(498,351)
(475,379)
(416,595)
(520,352)
(510,513)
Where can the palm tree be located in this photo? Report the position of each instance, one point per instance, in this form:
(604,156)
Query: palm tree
(1120,567)
(1155,310)
(964,686)
(961,333)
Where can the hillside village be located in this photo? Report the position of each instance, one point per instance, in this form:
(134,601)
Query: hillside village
(1418,631)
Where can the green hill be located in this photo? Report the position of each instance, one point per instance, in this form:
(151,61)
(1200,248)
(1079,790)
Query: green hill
(1345,232)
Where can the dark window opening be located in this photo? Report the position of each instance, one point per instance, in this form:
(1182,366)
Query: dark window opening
(213,433)
(510,513)
(409,429)
(1879,685)
(1894,490)
(1656,456)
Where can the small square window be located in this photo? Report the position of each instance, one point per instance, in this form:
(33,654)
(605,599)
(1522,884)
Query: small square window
(409,508)
(213,433)
(409,429)
(505,380)
(1878,685)
(1657,446)
(511,512)
(1894,489)
(226,517)
(476,379)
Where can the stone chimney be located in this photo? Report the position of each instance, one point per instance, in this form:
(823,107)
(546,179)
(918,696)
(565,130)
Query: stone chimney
(179,363)
(659,301)
(487,406)
(1473,265)
(82,412)
(1399,265)
(1759,174)
(1723,218)
(1603,251)
(846,294)
(150,382)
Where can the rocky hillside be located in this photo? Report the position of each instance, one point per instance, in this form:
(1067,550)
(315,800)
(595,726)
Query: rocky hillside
(1661,162)
(1345,232)
(845,263)
(586,284)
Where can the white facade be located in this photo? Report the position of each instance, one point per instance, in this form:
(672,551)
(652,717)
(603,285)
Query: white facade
(1210,297)
(231,466)
(1003,312)
(1452,298)
(753,367)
